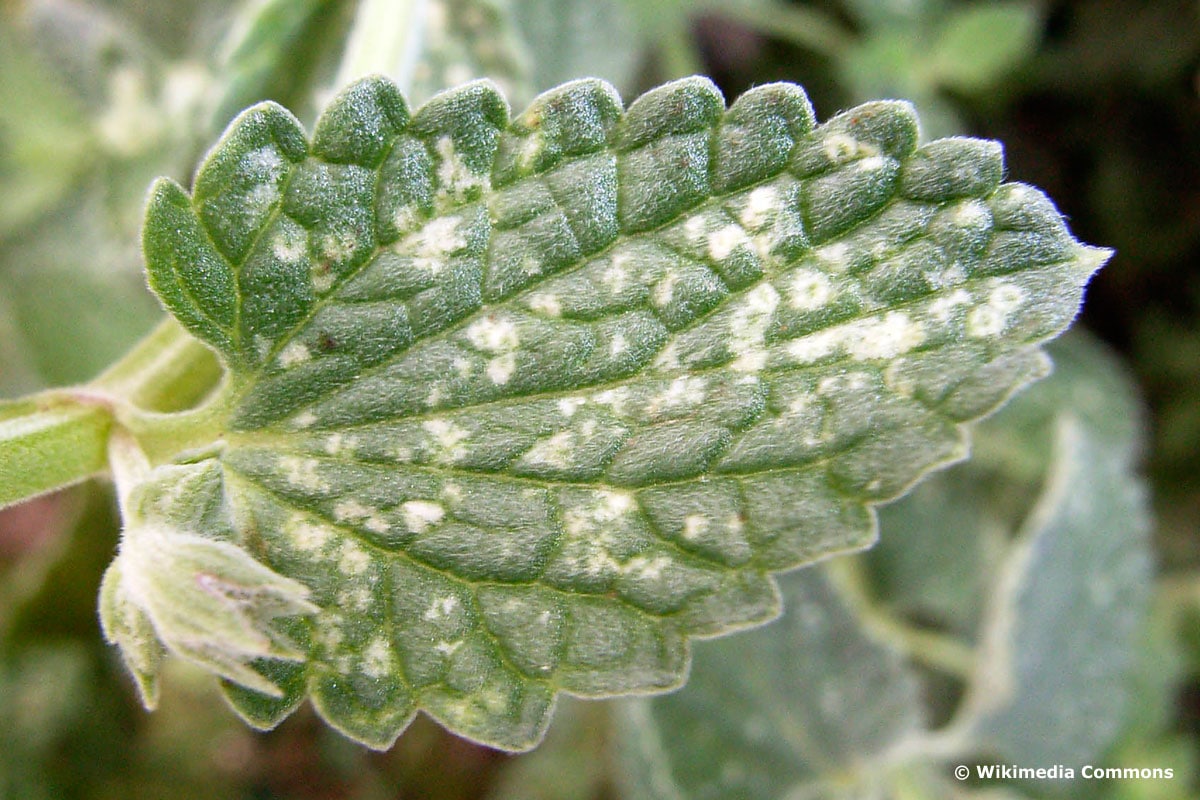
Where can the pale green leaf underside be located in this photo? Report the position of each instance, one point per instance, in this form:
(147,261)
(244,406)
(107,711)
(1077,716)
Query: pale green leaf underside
(529,403)
(782,712)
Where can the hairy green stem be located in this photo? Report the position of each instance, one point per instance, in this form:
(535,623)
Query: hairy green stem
(168,370)
(60,437)
(47,443)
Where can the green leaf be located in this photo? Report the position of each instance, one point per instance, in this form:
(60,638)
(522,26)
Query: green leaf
(979,43)
(786,711)
(569,764)
(579,37)
(461,40)
(528,404)
(273,49)
(1058,657)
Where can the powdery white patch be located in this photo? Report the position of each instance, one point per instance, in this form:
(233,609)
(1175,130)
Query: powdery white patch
(883,338)
(263,163)
(529,150)
(377,658)
(668,359)
(991,317)
(834,257)
(814,347)
(618,344)
(305,419)
(452,492)
(722,242)
(614,399)
(353,559)
(748,328)
(322,278)
(971,214)
(446,439)
(839,148)
(462,367)
(696,229)
(294,353)
(899,379)
(850,381)
(871,164)
(613,505)
(356,597)
(650,569)
(310,537)
(664,290)
(454,176)
(761,206)
(421,515)
(448,648)
(499,336)
(600,562)
(943,308)
(405,218)
(302,473)
(556,451)
(442,236)
(809,290)
(952,275)
(683,392)
(262,197)
(289,246)
(501,368)
(441,608)
(567,406)
(328,630)
(694,526)
(547,304)
(338,246)
(354,512)
(616,276)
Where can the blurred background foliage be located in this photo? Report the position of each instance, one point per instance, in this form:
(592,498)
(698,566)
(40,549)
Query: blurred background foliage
(1096,101)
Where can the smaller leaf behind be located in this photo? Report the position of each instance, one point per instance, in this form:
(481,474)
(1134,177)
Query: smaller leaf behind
(787,711)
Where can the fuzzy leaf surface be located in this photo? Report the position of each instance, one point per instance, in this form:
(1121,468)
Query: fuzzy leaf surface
(774,713)
(529,403)
(1071,602)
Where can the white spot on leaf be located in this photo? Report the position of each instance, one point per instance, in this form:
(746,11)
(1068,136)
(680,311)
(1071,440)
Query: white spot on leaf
(420,515)
(441,608)
(454,176)
(294,353)
(694,525)
(761,206)
(547,304)
(723,242)
(446,439)
(809,290)
(353,559)
(748,328)
(302,473)
(883,338)
(377,658)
